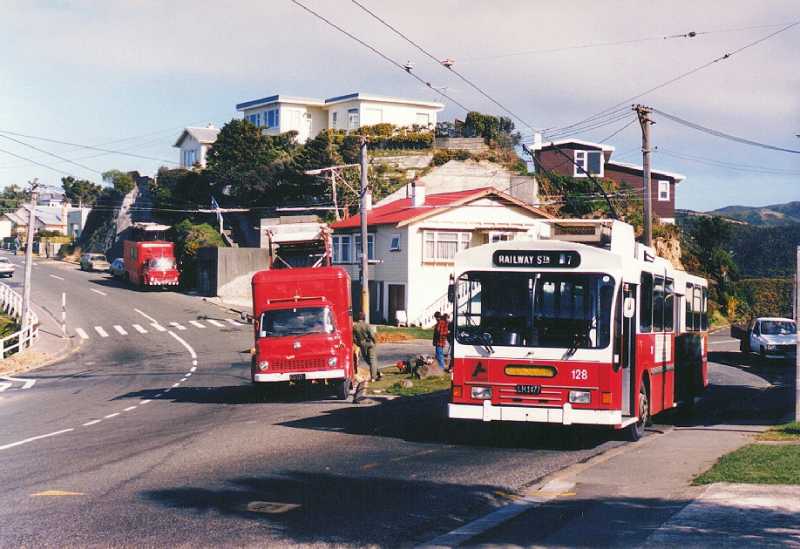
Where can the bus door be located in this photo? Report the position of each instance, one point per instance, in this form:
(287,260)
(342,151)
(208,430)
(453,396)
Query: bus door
(628,358)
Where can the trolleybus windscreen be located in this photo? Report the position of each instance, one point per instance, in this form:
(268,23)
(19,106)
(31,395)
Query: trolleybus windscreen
(556,310)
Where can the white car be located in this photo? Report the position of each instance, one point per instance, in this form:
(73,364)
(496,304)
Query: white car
(771,337)
(6,267)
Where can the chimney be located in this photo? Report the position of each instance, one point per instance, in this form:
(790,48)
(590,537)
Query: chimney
(417,194)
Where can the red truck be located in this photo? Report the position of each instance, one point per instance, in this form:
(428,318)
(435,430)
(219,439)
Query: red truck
(303,328)
(150,264)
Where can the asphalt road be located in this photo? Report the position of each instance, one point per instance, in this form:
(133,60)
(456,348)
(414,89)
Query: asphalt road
(157,438)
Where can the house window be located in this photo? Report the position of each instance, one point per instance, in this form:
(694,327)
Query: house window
(370,247)
(394,244)
(588,161)
(341,249)
(191,158)
(352,119)
(497,236)
(253,119)
(269,117)
(663,191)
(444,245)
(334,117)
(423,119)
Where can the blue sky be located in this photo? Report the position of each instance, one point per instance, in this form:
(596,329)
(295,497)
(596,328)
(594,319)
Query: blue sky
(128,75)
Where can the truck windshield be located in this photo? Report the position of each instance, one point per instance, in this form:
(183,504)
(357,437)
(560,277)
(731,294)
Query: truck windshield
(161,263)
(777,327)
(296,321)
(556,310)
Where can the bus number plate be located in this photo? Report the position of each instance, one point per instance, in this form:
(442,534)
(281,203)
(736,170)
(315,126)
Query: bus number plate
(529,389)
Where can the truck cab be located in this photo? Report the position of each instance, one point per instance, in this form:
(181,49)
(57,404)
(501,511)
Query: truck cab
(303,328)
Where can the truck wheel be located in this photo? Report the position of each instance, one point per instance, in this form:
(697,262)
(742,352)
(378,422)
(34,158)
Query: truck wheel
(635,431)
(343,389)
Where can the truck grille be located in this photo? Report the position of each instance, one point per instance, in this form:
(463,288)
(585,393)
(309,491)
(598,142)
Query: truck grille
(287,364)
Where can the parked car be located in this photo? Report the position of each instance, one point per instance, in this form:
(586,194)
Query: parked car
(770,337)
(117,268)
(94,262)
(6,267)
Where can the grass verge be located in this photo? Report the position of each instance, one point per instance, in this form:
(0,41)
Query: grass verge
(391,383)
(756,464)
(788,432)
(390,334)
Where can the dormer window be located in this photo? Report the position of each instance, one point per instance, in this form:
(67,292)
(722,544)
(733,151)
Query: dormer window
(588,162)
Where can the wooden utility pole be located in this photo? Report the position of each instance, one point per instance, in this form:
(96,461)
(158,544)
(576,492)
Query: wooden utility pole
(26,284)
(365,201)
(645,122)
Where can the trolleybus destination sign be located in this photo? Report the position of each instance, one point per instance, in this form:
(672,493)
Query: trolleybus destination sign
(552,259)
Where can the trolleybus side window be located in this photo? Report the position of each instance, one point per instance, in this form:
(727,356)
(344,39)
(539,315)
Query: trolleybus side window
(658,304)
(697,307)
(646,303)
(705,309)
(689,314)
(669,305)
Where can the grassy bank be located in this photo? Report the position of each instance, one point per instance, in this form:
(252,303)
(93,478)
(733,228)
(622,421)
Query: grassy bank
(389,334)
(776,460)
(391,384)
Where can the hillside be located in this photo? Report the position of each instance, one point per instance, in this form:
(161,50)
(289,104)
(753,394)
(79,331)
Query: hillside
(765,216)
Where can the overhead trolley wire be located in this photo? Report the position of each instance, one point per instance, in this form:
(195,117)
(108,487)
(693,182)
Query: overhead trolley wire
(441,63)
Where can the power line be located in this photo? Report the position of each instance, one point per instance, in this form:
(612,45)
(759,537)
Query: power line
(690,34)
(441,63)
(89,147)
(623,128)
(34,162)
(54,155)
(690,72)
(724,135)
(377,52)
(729,165)
(622,114)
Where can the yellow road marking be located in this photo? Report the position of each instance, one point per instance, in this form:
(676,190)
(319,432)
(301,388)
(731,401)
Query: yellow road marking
(57,493)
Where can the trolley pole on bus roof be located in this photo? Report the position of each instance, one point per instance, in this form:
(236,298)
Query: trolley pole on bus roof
(797,339)
(366,204)
(645,122)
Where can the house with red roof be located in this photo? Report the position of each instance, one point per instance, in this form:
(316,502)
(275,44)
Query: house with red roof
(412,242)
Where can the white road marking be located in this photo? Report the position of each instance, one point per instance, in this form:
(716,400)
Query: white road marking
(158,395)
(93,422)
(188,374)
(158,327)
(147,316)
(139,329)
(215,323)
(188,347)
(82,333)
(129,408)
(176,384)
(183,379)
(120,329)
(27,440)
(196,324)
(194,363)
(145,401)
(109,416)
(176,325)
(56,276)
(100,331)
(168,389)
(234,322)
(28,383)
(4,386)
(98,292)
(193,368)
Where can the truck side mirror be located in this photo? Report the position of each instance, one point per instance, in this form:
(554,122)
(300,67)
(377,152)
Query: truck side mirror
(451,293)
(628,307)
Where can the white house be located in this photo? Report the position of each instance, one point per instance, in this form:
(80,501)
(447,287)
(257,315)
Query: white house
(194,144)
(76,221)
(412,243)
(281,113)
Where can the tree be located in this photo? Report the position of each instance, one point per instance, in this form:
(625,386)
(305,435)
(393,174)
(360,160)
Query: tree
(487,126)
(122,182)
(13,196)
(189,238)
(81,190)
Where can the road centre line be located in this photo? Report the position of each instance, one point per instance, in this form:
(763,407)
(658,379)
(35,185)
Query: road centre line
(188,347)
(193,368)
(109,416)
(93,422)
(98,292)
(147,316)
(145,401)
(56,276)
(120,329)
(31,439)
(129,408)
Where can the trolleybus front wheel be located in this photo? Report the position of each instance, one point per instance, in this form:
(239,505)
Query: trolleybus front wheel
(636,430)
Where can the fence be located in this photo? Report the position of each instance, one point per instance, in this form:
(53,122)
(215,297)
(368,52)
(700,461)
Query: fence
(11,304)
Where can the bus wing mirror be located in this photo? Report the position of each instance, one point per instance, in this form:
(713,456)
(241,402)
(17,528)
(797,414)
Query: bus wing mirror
(628,307)
(451,293)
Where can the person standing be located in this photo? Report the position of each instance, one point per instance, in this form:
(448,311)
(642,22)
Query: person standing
(441,334)
(364,337)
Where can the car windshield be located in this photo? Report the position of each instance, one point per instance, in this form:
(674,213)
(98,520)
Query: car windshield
(97,258)
(562,310)
(4,260)
(778,327)
(161,263)
(296,321)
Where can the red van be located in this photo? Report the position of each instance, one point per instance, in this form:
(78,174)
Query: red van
(150,264)
(303,327)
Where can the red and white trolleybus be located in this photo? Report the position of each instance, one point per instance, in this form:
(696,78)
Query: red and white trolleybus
(584,327)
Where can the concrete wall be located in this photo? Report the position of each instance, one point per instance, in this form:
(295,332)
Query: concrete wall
(472,144)
(226,272)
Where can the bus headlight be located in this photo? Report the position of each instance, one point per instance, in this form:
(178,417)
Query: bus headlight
(332,361)
(263,365)
(580,397)
(481,393)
